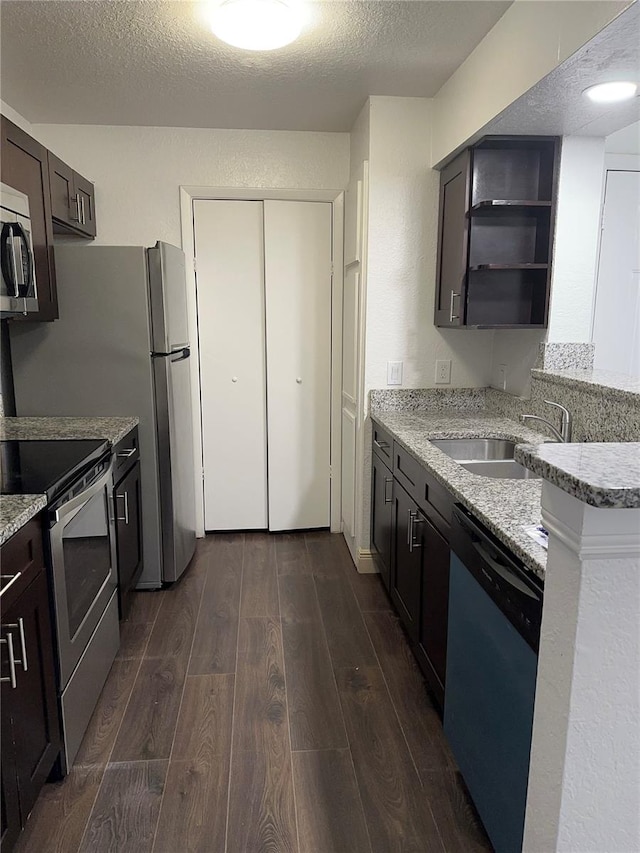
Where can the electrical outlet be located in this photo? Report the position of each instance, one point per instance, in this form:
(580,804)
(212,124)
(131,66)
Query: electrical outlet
(502,376)
(443,371)
(394,373)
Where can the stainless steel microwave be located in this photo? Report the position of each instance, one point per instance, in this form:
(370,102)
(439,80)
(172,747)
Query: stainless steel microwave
(18,292)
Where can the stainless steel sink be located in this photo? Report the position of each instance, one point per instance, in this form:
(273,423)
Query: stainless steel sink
(505,469)
(475,449)
(489,457)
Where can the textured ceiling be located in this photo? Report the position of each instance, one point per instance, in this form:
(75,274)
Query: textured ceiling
(556,105)
(156,62)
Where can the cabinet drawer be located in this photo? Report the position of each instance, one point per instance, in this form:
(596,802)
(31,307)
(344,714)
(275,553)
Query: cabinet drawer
(125,454)
(432,498)
(22,554)
(382,444)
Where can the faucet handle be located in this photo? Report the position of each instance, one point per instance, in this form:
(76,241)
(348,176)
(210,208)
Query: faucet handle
(566,420)
(558,406)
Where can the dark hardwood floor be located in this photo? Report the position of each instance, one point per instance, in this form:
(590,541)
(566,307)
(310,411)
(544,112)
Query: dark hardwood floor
(266,703)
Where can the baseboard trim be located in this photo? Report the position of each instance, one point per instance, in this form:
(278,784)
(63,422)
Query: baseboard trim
(366,562)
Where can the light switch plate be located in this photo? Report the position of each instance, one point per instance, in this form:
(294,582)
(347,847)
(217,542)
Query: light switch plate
(443,371)
(394,373)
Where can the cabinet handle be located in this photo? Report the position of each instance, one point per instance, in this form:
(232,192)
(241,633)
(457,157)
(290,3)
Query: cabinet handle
(20,626)
(453,316)
(125,454)
(13,579)
(387,481)
(76,201)
(125,498)
(84,221)
(12,662)
(381,445)
(414,518)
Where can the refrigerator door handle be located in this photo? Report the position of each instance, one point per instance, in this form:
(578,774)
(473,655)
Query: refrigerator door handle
(181,354)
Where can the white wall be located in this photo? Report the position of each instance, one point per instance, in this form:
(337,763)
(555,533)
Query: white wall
(576,239)
(138,170)
(403,211)
(528,42)
(625,141)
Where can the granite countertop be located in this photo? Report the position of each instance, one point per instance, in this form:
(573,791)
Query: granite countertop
(614,384)
(51,428)
(16,510)
(601,475)
(505,507)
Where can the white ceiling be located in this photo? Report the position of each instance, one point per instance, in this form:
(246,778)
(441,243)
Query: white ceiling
(155,62)
(557,106)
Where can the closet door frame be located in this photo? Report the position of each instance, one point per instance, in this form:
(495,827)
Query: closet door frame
(336,197)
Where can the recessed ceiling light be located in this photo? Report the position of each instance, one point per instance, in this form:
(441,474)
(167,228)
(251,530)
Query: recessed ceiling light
(609,93)
(257,24)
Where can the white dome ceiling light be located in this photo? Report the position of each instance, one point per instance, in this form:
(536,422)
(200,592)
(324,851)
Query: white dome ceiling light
(611,93)
(257,24)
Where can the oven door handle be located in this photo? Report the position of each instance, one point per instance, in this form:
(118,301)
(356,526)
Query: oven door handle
(70,507)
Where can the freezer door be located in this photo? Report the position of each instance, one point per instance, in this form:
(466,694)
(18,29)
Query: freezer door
(175,456)
(167,298)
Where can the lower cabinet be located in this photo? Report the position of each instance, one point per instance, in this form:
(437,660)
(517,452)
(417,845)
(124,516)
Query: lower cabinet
(409,534)
(128,513)
(382,517)
(408,550)
(30,718)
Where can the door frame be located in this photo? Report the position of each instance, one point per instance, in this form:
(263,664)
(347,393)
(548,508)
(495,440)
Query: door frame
(188,194)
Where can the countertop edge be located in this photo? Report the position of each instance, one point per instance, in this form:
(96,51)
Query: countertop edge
(26,508)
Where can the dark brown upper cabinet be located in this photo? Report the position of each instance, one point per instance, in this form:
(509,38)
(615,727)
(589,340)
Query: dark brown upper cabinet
(495,234)
(72,200)
(25,167)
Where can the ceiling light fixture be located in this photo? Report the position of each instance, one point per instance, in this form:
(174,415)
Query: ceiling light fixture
(611,93)
(257,24)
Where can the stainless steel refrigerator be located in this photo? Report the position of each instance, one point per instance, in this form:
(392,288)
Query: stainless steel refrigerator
(121,347)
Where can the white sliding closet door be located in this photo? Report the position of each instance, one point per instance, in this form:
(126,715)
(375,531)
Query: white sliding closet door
(230,288)
(298,310)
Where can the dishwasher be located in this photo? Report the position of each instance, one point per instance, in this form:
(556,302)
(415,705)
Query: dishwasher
(495,609)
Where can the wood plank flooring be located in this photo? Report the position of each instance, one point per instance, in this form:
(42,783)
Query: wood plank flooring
(266,703)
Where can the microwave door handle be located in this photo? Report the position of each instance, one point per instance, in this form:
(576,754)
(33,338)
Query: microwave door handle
(8,258)
(21,245)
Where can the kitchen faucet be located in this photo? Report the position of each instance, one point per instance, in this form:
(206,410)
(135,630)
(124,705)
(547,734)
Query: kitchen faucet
(564,434)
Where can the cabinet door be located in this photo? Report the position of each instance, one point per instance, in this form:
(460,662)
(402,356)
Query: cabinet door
(25,167)
(453,242)
(435,604)
(34,705)
(11,824)
(87,205)
(64,204)
(128,534)
(407,562)
(382,515)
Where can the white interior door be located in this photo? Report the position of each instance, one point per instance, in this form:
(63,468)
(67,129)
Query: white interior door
(616,326)
(298,311)
(229,255)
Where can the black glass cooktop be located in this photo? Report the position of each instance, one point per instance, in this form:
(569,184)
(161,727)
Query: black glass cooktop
(45,467)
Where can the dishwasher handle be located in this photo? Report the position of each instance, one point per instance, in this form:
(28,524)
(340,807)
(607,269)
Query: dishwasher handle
(505,572)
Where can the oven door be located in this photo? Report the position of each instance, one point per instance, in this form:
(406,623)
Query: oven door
(83,556)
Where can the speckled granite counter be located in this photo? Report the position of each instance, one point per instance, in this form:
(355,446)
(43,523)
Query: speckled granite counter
(16,510)
(505,507)
(601,475)
(49,429)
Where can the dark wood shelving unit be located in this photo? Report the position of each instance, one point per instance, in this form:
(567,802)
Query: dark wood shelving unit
(495,240)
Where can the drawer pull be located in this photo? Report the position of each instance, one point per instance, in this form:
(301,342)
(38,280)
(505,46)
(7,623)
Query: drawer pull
(12,662)
(20,626)
(14,578)
(381,445)
(125,454)
(388,481)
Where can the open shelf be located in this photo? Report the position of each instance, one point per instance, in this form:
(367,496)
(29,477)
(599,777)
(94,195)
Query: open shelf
(508,207)
(479,267)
